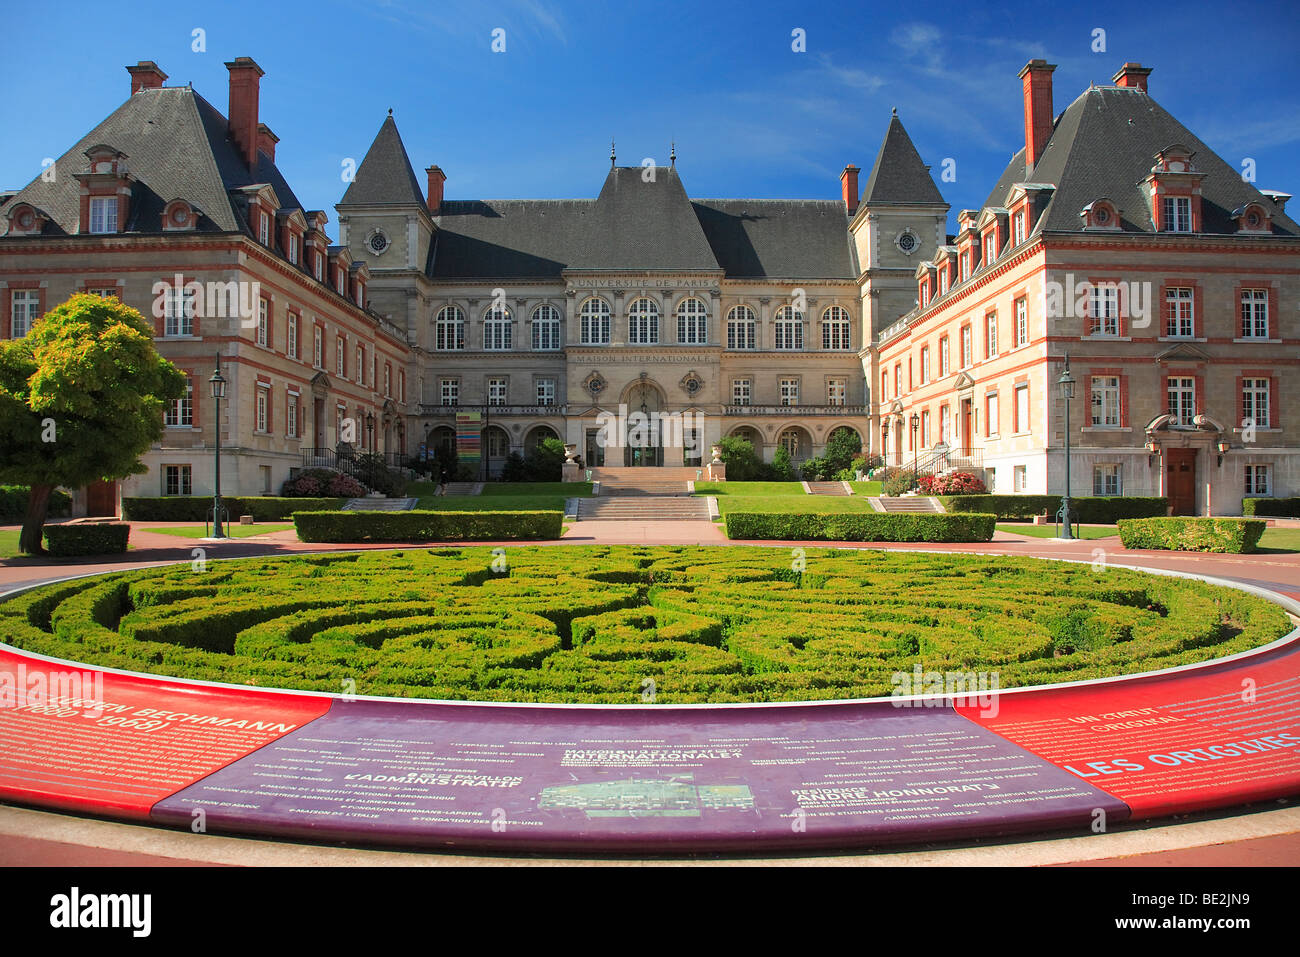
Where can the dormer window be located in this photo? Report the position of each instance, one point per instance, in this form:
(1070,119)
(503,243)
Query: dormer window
(340,280)
(1174,186)
(103,214)
(1252,218)
(361,294)
(1018,228)
(264,229)
(178,214)
(1177,214)
(320,268)
(293,248)
(990,246)
(24,220)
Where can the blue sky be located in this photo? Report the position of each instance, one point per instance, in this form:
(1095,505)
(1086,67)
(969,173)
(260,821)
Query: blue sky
(751,117)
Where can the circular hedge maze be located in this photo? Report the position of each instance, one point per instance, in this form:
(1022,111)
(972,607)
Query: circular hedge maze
(592,624)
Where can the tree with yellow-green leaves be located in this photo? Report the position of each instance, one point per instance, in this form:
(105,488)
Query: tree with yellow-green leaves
(82,397)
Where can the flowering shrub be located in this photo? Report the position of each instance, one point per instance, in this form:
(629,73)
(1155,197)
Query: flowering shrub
(310,483)
(345,486)
(958,483)
(304,486)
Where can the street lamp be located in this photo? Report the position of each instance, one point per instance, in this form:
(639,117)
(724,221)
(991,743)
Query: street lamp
(884,440)
(1066,382)
(218,384)
(916,424)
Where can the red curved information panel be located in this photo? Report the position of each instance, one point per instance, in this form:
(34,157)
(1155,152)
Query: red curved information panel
(654,778)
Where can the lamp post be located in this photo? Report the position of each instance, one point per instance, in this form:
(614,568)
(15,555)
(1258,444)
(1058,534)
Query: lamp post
(1066,382)
(915,422)
(884,440)
(218,384)
(370,441)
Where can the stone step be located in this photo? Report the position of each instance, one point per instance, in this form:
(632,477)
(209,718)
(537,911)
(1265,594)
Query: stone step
(379,504)
(644,510)
(827,488)
(918,503)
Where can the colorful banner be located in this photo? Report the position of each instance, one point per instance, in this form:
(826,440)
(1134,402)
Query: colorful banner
(469,436)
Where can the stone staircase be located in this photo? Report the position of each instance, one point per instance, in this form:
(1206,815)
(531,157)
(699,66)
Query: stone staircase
(911,503)
(643,482)
(464,488)
(828,488)
(379,505)
(644,508)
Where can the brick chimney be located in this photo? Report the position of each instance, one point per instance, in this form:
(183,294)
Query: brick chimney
(1037,76)
(266,141)
(436,178)
(145,75)
(245,81)
(849,188)
(1132,76)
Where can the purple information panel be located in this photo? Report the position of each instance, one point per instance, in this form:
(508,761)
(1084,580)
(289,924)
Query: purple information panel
(639,779)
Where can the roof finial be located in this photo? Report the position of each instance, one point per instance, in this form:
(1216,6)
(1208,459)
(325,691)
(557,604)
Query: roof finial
(895,111)
(672,154)
(390,111)
(611,152)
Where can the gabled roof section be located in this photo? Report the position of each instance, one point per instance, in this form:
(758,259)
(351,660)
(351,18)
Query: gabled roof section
(899,178)
(508,238)
(1104,145)
(778,238)
(178,147)
(643,219)
(385,176)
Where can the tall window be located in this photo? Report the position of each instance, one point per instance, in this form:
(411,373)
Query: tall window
(361,365)
(692,322)
(1022,322)
(181,411)
(1106,480)
(388,381)
(944,363)
(925,364)
(450,391)
(990,335)
(1254,402)
(789,391)
(263,410)
(884,384)
(925,429)
(291,417)
(496,329)
(177,480)
(26,303)
(741,391)
(835,328)
(291,344)
(546,328)
(1022,409)
(1257,480)
(179,306)
(340,358)
(1105,400)
(401,385)
(643,322)
(1254,313)
(263,321)
(595,322)
(1182,400)
(317,347)
(967,348)
(992,424)
(546,392)
(741,326)
(945,424)
(836,391)
(319,267)
(1018,228)
(1180,320)
(789,328)
(990,246)
(1103,313)
(293,248)
(449,329)
(898,379)
(496,390)
(1178,214)
(103,215)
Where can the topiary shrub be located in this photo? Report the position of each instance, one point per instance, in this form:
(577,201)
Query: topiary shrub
(63,541)
(427,526)
(1187,534)
(1289,507)
(13,502)
(860,527)
(896,484)
(958,483)
(1101,510)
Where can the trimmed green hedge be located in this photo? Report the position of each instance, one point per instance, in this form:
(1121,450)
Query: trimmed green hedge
(64,541)
(1271,506)
(176,508)
(423,526)
(1233,535)
(1086,509)
(13,502)
(861,527)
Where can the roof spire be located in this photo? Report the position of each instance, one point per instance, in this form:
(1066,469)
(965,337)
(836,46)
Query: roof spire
(390,111)
(611,152)
(672,154)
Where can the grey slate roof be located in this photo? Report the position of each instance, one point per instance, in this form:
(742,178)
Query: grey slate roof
(779,238)
(1103,146)
(508,238)
(898,176)
(177,146)
(640,224)
(385,176)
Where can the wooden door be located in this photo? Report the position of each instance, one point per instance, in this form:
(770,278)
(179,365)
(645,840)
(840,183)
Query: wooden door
(101,499)
(966,424)
(1180,480)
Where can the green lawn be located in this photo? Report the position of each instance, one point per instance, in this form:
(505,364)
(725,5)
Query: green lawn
(750,489)
(808,504)
(1049,531)
(1276,540)
(522,489)
(866,488)
(233,530)
(9,543)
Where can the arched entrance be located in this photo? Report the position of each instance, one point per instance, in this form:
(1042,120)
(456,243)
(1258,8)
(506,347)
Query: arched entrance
(536,436)
(643,436)
(797,442)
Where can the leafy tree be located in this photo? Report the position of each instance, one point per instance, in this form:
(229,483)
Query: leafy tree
(740,459)
(841,447)
(514,470)
(546,462)
(782,466)
(82,397)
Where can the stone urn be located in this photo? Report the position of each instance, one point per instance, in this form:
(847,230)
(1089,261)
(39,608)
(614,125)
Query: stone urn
(570,454)
(716,452)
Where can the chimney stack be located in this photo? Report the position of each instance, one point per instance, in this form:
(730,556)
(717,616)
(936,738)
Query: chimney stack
(266,141)
(245,81)
(1132,76)
(436,178)
(145,75)
(849,188)
(1037,76)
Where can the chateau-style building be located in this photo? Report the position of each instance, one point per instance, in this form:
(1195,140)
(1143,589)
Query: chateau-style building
(489,325)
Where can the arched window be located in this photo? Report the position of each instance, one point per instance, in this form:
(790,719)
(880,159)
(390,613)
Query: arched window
(595,322)
(496,328)
(795,442)
(643,322)
(546,328)
(741,328)
(835,328)
(449,329)
(789,328)
(692,322)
